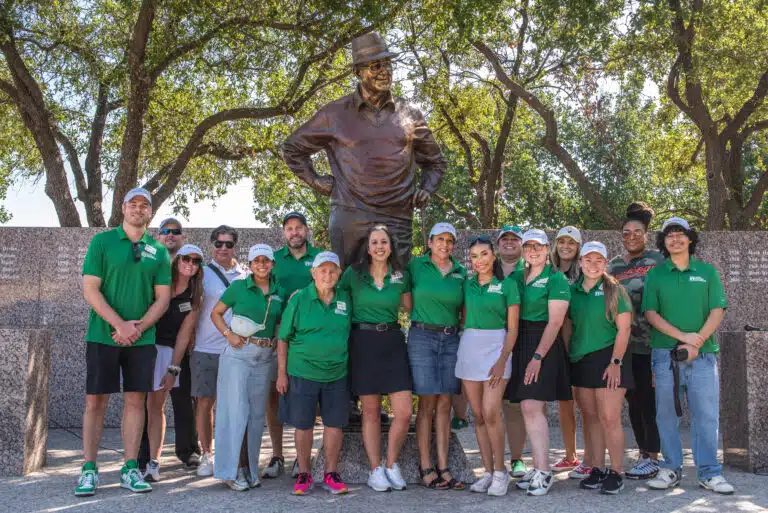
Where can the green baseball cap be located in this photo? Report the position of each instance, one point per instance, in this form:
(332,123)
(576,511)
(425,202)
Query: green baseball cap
(513,229)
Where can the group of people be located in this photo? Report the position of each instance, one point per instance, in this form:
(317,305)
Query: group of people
(292,335)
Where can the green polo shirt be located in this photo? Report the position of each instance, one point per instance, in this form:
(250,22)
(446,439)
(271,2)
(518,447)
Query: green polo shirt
(245,298)
(127,285)
(292,274)
(317,335)
(486,305)
(437,299)
(592,331)
(684,299)
(371,304)
(535,296)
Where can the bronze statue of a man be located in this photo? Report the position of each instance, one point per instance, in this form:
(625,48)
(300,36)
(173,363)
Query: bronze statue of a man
(374,143)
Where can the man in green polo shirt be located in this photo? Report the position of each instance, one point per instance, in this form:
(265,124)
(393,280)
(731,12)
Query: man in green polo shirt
(293,266)
(312,368)
(684,302)
(126,281)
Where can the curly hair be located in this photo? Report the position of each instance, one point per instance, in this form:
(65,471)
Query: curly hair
(692,235)
(640,212)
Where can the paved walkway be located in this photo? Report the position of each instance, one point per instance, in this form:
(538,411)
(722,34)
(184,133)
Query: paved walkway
(181,490)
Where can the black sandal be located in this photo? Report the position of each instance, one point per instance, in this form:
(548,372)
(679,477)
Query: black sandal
(436,483)
(452,484)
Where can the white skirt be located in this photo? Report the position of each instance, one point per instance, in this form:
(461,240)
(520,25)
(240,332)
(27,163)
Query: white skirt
(479,350)
(163,360)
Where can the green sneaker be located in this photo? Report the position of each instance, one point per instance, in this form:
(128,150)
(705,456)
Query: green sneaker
(131,478)
(457,423)
(518,468)
(89,480)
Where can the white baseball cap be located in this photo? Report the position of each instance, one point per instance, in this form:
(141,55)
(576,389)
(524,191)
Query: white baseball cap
(570,231)
(190,249)
(594,247)
(326,256)
(676,221)
(261,250)
(537,236)
(138,191)
(443,228)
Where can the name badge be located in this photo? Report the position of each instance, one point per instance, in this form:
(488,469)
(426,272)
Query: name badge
(150,250)
(494,289)
(185,307)
(146,254)
(458,276)
(397,277)
(341,308)
(275,297)
(308,263)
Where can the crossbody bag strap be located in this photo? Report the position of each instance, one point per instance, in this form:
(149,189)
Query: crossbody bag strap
(218,272)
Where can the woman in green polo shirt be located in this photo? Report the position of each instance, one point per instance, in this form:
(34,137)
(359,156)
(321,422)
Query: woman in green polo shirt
(598,326)
(437,280)
(539,365)
(245,366)
(491,310)
(378,357)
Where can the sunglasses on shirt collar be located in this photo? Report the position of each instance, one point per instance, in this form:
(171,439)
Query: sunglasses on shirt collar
(138,247)
(170,231)
(227,243)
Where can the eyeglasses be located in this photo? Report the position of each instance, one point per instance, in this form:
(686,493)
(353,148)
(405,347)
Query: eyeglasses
(378,67)
(170,231)
(138,248)
(676,236)
(534,247)
(191,260)
(226,243)
(629,234)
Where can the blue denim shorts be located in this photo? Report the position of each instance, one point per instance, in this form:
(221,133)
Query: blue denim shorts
(433,355)
(298,406)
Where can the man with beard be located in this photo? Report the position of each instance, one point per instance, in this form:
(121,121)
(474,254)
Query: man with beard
(293,266)
(171,236)
(126,282)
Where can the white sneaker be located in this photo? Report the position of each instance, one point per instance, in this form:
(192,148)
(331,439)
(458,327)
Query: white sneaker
(377,480)
(152,474)
(206,465)
(500,484)
(665,479)
(482,484)
(241,483)
(275,468)
(717,484)
(253,482)
(395,477)
(541,483)
(295,469)
(525,481)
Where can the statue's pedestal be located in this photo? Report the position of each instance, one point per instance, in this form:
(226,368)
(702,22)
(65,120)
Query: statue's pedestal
(743,403)
(354,466)
(25,367)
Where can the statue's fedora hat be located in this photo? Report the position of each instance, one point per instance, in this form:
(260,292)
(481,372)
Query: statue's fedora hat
(370,47)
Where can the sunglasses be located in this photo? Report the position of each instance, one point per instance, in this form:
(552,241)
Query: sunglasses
(170,231)
(138,247)
(480,239)
(191,260)
(223,243)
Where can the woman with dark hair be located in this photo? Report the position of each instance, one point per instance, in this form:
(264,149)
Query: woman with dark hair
(599,319)
(631,268)
(172,337)
(378,357)
(491,311)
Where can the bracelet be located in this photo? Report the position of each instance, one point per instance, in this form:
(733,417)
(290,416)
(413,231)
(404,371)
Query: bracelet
(174,370)
(226,333)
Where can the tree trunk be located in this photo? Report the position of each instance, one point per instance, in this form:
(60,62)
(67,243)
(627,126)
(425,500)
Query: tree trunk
(716,163)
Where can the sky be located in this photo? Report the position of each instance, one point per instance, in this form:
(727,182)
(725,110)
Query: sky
(30,206)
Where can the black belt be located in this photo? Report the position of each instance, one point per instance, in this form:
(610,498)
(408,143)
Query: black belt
(382,326)
(448,330)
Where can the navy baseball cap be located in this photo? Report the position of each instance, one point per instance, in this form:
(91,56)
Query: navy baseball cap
(295,215)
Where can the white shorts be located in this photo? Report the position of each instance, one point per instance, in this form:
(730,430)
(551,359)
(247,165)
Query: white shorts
(163,360)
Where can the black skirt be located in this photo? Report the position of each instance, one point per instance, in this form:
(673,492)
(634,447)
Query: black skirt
(554,382)
(588,372)
(378,362)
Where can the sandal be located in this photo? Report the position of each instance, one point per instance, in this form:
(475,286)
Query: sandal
(436,484)
(452,483)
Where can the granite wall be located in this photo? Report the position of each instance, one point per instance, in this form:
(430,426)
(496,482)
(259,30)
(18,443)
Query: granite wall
(41,288)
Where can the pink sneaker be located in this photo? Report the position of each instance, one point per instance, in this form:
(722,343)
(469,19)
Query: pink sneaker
(580,472)
(303,484)
(333,483)
(564,465)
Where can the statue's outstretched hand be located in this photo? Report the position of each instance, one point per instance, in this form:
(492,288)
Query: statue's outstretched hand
(323,184)
(421,198)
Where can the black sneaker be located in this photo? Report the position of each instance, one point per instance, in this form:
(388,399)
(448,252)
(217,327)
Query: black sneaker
(612,484)
(594,480)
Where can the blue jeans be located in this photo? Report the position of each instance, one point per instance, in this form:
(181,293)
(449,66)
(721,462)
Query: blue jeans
(700,382)
(433,355)
(242,390)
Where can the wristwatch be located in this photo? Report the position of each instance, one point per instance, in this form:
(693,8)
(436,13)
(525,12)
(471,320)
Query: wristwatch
(617,361)
(174,370)
(537,356)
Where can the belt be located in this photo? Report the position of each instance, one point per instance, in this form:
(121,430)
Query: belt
(261,342)
(448,330)
(382,326)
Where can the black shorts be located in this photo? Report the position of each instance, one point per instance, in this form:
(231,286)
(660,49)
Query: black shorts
(554,382)
(105,364)
(298,406)
(588,372)
(378,362)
